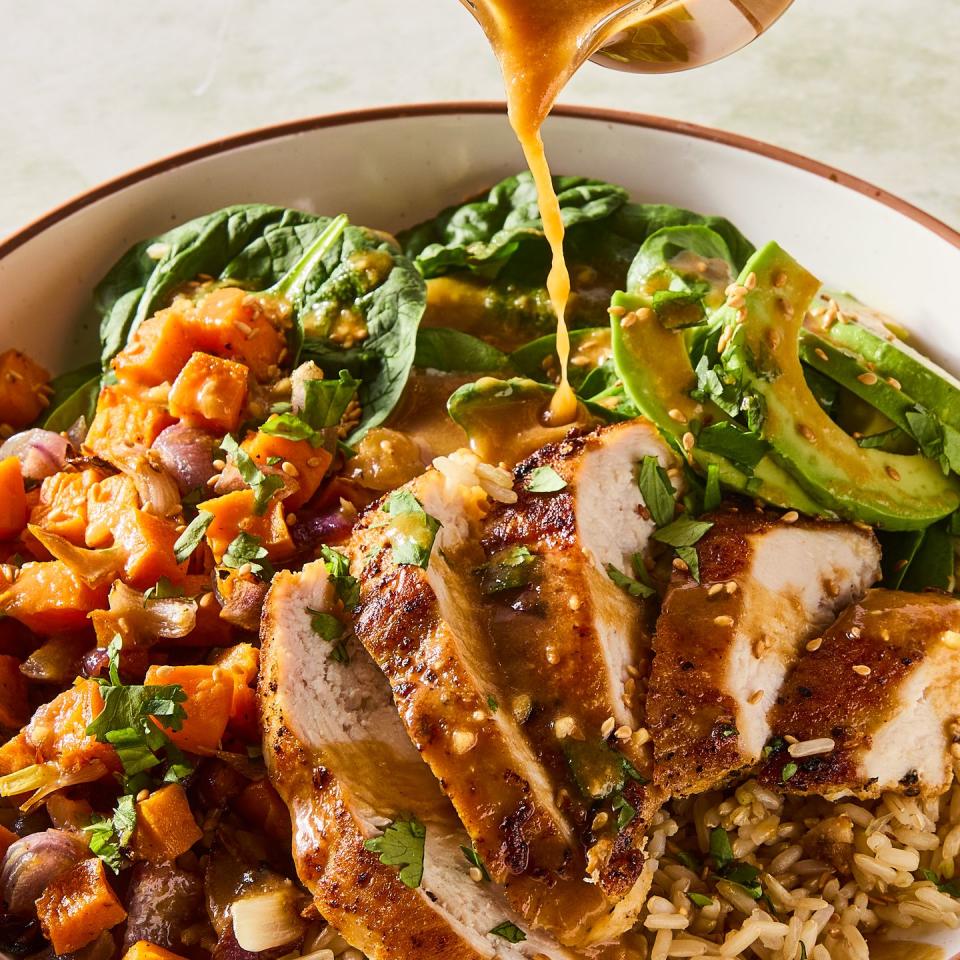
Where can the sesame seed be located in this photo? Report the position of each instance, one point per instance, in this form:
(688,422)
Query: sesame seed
(689,440)
(143,794)
(815,644)
(606,728)
(737,301)
(900,564)
(291,519)
(780,279)
(822,354)
(632,671)
(807,433)
(616,311)
(289,469)
(244,570)
(755,697)
(731,289)
(894,382)
(478,715)
(475,875)
(244,328)
(677,415)
(600,820)
(862,669)
(628,320)
(723,621)
(869,378)
(855,632)
(680,565)
(563,727)
(463,741)
(892,473)
(732,586)
(791,516)
(552,656)
(623,733)
(163,672)
(751,282)
(629,687)
(644,314)
(213,480)
(714,589)
(206,600)
(790,739)
(573,602)
(219,464)
(641,736)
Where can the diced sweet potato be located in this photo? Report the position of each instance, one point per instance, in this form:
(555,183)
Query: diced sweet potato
(48,597)
(13,694)
(310,462)
(147,542)
(124,422)
(210,392)
(13,499)
(233,514)
(16,754)
(234,323)
(78,906)
(62,508)
(242,661)
(260,805)
(144,950)
(165,825)
(58,729)
(209,693)
(24,391)
(106,501)
(157,351)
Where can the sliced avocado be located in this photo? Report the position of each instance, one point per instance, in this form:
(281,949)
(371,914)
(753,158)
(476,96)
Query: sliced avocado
(864,331)
(653,363)
(937,440)
(890,490)
(589,348)
(597,768)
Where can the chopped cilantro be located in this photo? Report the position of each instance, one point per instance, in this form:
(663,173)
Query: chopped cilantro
(263,485)
(507,569)
(742,447)
(412,538)
(163,589)
(338,570)
(712,495)
(473,858)
(789,769)
(775,745)
(689,556)
(544,480)
(289,426)
(634,587)
(720,850)
(326,401)
(657,491)
(683,532)
(509,931)
(700,900)
(333,631)
(949,887)
(688,860)
(492,703)
(624,811)
(110,836)
(402,845)
(245,548)
(189,540)
(274,461)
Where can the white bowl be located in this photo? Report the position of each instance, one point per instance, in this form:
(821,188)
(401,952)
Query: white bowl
(391,167)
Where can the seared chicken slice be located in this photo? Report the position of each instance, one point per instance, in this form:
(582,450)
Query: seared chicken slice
(340,758)
(724,646)
(875,706)
(514,715)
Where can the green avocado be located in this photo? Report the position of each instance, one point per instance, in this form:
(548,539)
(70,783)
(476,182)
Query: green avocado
(885,489)
(653,363)
(863,331)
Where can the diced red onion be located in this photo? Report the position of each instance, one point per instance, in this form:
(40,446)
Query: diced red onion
(34,861)
(187,454)
(330,527)
(41,453)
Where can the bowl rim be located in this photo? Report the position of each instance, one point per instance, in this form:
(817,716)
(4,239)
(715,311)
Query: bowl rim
(475,107)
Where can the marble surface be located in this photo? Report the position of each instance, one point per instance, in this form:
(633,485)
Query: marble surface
(92,89)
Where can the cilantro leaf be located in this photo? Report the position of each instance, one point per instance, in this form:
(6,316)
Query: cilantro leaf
(263,485)
(700,900)
(509,932)
(473,858)
(338,570)
(289,426)
(333,631)
(163,589)
(189,540)
(949,887)
(657,491)
(508,569)
(624,810)
(492,703)
(712,495)
(412,536)
(720,849)
(689,556)
(246,548)
(544,480)
(744,448)
(402,845)
(683,532)
(326,401)
(110,836)
(789,769)
(634,587)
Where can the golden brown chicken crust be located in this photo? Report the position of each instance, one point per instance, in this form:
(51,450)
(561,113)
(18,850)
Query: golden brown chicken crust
(845,688)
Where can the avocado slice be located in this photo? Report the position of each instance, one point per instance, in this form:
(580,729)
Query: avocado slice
(851,372)
(862,330)
(885,489)
(653,364)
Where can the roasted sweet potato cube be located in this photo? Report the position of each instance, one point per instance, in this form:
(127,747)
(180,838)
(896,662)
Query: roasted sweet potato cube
(13,499)
(147,542)
(209,693)
(157,351)
(165,825)
(144,950)
(78,906)
(124,422)
(233,513)
(107,501)
(49,597)
(24,393)
(309,462)
(62,508)
(210,392)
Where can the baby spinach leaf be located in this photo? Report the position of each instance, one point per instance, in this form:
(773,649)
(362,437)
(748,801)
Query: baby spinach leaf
(529,360)
(633,587)
(658,256)
(326,401)
(442,348)
(544,480)
(74,396)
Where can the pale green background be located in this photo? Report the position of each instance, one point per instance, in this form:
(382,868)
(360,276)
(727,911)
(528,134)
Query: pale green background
(90,88)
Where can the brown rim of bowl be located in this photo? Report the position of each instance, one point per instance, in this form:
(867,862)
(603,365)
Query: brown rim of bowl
(293,127)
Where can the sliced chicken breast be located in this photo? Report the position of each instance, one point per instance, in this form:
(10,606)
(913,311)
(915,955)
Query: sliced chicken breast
(340,758)
(724,646)
(875,706)
(506,701)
